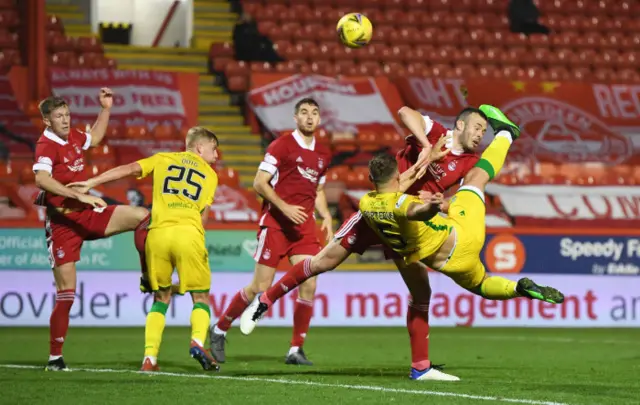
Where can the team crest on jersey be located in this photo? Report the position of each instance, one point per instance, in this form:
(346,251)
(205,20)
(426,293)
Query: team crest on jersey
(60,253)
(351,240)
(320,164)
(452,166)
(267,254)
(78,150)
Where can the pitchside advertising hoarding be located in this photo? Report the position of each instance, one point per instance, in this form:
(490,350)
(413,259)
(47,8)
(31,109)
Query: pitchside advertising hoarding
(598,273)
(343,299)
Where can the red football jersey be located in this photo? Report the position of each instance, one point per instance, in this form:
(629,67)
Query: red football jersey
(64,159)
(440,175)
(297,171)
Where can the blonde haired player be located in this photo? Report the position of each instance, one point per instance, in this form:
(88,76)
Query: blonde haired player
(183,188)
(449,245)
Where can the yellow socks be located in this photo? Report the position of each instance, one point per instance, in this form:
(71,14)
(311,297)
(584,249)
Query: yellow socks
(200,317)
(493,157)
(498,288)
(153,330)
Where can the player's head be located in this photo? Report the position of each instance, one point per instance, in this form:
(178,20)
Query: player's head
(204,143)
(470,124)
(306,114)
(383,170)
(56,115)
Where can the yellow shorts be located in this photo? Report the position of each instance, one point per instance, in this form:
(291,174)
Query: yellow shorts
(467,214)
(183,249)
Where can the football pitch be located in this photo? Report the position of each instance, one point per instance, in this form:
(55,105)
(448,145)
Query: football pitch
(352,366)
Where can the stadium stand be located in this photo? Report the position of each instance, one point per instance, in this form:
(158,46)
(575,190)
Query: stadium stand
(590,40)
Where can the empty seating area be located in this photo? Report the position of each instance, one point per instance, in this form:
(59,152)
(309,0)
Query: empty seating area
(590,40)
(70,52)
(9,35)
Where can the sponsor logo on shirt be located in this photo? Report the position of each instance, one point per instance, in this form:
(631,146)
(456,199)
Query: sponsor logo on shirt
(77,166)
(309,174)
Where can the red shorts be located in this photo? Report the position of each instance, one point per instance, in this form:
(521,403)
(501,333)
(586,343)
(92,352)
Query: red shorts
(274,244)
(65,233)
(356,236)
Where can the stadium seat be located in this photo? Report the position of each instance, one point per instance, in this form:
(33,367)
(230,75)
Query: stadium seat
(137,132)
(165,133)
(229,177)
(89,45)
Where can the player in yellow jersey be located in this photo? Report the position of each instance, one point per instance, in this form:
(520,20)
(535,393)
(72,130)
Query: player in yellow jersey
(414,229)
(183,188)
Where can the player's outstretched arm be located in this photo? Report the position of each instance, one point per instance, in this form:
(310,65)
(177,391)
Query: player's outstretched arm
(427,155)
(102,122)
(46,182)
(414,121)
(117,173)
(427,210)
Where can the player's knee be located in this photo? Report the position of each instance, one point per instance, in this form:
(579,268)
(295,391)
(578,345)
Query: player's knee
(65,276)
(476,177)
(163,295)
(308,289)
(421,297)
(139,213)
(200,297)
(259,286)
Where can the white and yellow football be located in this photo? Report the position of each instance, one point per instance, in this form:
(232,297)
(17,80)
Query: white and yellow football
(354,30)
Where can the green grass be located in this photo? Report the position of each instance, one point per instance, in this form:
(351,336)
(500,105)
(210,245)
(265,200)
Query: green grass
(568,366)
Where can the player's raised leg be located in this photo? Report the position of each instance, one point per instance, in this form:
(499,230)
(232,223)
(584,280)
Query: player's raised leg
(328,259)
(490,163)
(128,218)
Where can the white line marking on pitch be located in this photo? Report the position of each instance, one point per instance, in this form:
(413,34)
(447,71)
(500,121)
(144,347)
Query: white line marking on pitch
(308,383)
(538,339)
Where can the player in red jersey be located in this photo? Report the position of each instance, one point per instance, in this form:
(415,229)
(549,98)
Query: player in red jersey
(445,169)
(290,179)
(72,217)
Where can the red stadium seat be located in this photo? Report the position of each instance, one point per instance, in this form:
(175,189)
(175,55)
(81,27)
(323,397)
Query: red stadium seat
(228,177)
(238,83)
(102,153)
(165,132)
(89,45)
(137,132)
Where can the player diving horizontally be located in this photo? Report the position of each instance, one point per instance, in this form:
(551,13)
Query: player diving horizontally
(443,169)
(183,188)
(451,245)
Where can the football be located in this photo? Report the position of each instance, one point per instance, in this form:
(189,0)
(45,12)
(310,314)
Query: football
(354,30)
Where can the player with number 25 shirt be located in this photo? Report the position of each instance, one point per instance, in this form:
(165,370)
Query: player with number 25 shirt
(184,185)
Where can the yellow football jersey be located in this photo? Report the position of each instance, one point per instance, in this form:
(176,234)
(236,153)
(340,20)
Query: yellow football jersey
(386,214)
(183,185)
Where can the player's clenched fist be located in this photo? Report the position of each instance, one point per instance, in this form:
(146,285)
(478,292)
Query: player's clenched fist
(106,98)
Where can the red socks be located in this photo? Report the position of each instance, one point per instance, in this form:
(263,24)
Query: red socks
(418,326)
(59,321)
(238,304)
(302,313)
(297,275)
(139,239)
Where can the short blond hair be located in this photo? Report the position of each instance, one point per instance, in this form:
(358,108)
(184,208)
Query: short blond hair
(196,134)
